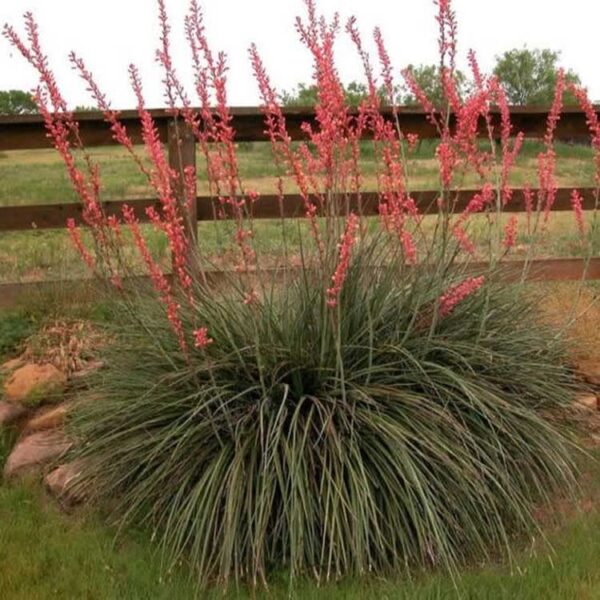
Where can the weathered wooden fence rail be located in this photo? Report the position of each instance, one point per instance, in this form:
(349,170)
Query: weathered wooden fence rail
(27,133)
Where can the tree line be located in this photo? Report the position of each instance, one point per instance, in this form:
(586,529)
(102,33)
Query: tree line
(529,77)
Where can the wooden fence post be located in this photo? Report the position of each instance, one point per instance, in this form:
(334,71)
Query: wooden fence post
(181,143)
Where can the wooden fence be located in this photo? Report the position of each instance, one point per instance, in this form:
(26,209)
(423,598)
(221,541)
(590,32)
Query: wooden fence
(27,133)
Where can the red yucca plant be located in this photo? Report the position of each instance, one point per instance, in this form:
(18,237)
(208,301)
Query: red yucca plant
(385,403)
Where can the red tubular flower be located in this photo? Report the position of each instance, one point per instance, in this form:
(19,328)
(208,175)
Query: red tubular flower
(63,130)
(447,160)
(162,178)
(509,155)
(478,202)
(547,159)
(111,116)
(592,120)
(413,141)
(548,185)
(446,19)
(475,70)
(385,64)
(78,242)
(577,204)
(455,295)
(450,90)
(417,91)
(510,232)
(556,109)
(201,339)
(463,240)
(159,281)
(352,30)
(409,247)
(302,164)
(345,251)
(394,203)
(528,199)
(465,138)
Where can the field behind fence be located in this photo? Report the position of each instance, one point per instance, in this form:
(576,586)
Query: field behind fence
(27,133)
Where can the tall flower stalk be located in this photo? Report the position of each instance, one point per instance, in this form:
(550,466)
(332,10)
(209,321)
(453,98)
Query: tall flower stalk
(323,421)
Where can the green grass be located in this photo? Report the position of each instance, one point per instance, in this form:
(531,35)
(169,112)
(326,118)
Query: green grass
(45,554)
(15,327)
(38,177)
(50,255)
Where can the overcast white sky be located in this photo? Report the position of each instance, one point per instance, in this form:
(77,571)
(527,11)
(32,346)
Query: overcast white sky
(109,34)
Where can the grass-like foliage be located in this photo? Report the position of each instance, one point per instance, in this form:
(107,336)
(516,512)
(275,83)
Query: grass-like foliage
(14,329)
(380,402)
(432,445)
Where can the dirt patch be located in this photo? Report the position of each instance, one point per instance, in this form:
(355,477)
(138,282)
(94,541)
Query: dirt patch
(561,303)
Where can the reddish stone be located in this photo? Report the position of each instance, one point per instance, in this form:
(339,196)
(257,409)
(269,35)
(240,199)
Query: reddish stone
(31,453)
(588,401)
(11,412)
(59,483)
(33,378)
(46,419)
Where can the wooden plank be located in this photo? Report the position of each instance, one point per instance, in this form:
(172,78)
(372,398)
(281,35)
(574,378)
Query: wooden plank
(86,290)
(550,269)
(54,216)
(182,155)
(27,131)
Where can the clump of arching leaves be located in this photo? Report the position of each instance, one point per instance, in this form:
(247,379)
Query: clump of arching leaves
(388,404)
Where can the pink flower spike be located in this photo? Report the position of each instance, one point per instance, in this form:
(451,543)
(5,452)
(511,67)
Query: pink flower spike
(455,295)
(447,160)
(463,240)
(577,204)
(410,249)
(345,250)
(201,339)
(528,200)
(75,234)
(510,232)
(413,141)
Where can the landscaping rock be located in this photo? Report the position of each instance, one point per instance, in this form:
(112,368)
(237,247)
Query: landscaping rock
(11,365)
(11,412)
(31,453)
(34,380)
(59,483)
(588,401)
(46,419)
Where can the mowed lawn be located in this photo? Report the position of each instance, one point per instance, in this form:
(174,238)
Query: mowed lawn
(38,177)
(46,554)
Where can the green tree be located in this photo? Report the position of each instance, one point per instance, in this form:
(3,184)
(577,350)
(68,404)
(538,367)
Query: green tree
(529,76)
(307,95)
(302,95)
(16,102)
(429,80)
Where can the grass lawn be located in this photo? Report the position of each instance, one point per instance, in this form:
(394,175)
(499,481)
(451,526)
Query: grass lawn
(38,177)
(46,554)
